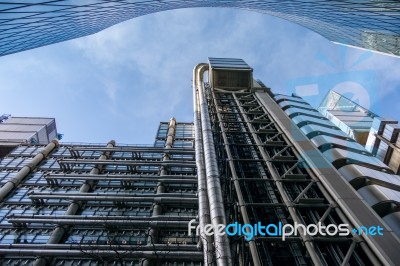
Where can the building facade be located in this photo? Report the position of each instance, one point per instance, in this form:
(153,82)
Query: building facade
(379,135)
(350,117)
(101,204)
(280,160)
(250,158)
(368,24)
(384,142)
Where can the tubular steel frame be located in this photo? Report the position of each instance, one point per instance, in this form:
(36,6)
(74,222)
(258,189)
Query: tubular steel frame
(271,184)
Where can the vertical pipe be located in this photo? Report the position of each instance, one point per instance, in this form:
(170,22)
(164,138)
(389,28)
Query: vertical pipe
(60,231)
(157,207)
(216,202)
(204,211)
(15,181)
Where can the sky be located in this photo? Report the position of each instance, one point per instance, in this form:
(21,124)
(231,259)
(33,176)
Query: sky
(121,82)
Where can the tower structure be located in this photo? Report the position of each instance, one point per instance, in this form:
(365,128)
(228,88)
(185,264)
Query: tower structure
(250,158)
(368,24)
(279,160)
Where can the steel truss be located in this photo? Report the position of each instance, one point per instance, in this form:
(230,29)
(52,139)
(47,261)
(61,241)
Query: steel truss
(264,179)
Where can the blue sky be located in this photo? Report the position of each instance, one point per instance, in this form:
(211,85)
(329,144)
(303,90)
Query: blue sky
(120,83)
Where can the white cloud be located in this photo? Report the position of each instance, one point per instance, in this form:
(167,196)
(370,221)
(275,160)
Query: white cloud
(139,72)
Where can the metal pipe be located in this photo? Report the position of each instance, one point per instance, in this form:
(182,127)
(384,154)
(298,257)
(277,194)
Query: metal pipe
(14,182)
(157,247)
(61,195)
(129,179)
(103,222)
(157,208)
(164,254)
(138,149)
(153,198)
(111,176)
(90,217)
(204,211)
(59,231)
(168,163)
(216,202)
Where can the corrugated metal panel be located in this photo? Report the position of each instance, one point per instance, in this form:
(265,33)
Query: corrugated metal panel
(19,127)
(382,150)
(52,135)
(291,102)
(42,135)
(312,130)
(358,125)
(228,63)
(394,162)
(356,175)
(29,120)
(393,221)
(348,113)
(301,121)
(280,97)
(286,104)
(322,142)
(292,112)
(339,158)
(379,123)
(374,194)
(16,136)
(51,126)
(391,132)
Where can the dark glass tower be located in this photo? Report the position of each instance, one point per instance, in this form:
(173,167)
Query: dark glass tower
(249,157)
(367,24)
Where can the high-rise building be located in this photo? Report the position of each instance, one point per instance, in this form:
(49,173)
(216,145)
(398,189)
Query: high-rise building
(367,24)
(379,135)
(65,204)
(17,130)
(253,160)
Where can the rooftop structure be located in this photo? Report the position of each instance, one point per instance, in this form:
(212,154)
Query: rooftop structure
(17,130)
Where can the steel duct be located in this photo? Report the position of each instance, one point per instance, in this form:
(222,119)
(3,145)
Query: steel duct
(204,211)
(216,203)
